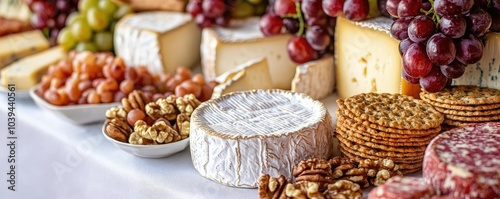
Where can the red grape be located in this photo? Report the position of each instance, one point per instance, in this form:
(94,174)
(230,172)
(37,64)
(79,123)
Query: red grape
(271,24)
(495,6)
(204,21)
(479,21)
(404,44)
(292,25)
(62,5)
(469,49)
(453,26)
(440,49)
(415,61)
(426,6)
(38,21)
(333,8)
(312,9)
(408,8)
(392,7)
(356,10)
(213,8)
(381,4)
(434,81)
(453,70)
(224,19)
(399,29)
(317,21)
(284,7)
(410,79)
(421,28)
(495,23)
(318,38)
(194,7)
(299,50)
(452,7)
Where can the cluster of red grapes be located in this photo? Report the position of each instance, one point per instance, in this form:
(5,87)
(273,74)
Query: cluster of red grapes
(51,14)
(313,29)
(355,10)
(438,38)
(208,13)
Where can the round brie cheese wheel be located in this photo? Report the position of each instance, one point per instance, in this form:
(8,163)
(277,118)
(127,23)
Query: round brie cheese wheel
(240,136)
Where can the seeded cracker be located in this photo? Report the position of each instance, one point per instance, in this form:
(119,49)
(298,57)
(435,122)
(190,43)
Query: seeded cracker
(406,160)
(382,147)
(353,136)
(393,110)
(461,107)
(417,140)
(464,95)
(474,118)
(468,113)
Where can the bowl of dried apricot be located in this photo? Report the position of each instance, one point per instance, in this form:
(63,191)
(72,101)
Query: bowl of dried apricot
(150,129)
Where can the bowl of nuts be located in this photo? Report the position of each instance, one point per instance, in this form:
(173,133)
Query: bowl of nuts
(84,85)
(150,129)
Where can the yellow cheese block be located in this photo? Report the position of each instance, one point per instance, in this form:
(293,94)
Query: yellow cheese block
(17,46)
(28,71)
(367,59)
(15,9)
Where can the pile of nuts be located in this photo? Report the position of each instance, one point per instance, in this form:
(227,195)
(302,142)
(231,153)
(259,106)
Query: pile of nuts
(142,121)
(93,78)
(339,177)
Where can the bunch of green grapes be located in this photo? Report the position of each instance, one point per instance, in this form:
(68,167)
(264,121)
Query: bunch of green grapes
(91,27)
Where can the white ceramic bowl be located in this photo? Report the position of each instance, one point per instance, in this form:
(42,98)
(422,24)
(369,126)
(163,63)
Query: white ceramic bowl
(148,151)
(20,94)
(78,114)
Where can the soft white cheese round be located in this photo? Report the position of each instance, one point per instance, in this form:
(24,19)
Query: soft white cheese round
(238,137)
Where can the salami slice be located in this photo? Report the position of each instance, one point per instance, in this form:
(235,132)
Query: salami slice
(465,162)
(402,188)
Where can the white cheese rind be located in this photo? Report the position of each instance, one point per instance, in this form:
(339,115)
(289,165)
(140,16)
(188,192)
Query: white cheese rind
(162,41)
(240,136)
(223,49)
(486,72)
(315,78)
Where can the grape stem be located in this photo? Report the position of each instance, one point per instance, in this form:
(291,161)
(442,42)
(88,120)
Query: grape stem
(435,17)
(301,20)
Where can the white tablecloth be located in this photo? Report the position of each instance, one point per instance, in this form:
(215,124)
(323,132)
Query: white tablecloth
(57,159)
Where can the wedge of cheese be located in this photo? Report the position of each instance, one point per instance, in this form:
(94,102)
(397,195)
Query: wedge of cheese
(485,73)
(240,136)
(17,46)
(367,59)
(162,41)
(315,78)
(15,9)
(28,71)
(253,74)
(222,49)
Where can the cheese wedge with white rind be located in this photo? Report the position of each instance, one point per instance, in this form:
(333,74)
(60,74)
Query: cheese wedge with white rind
(27,72)
(253,74)
(315,78)
(238,137)
(485,73)
(161,40)
(222,49)
(367,59)
(17,46)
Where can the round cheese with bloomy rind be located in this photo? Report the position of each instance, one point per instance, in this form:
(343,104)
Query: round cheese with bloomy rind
(240,136)
(465,162)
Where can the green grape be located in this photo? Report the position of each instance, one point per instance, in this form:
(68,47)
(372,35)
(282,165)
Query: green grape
(255,2)
(122,11)
(81,30)
(75,16)
(112,25)
(66,39)
(373,12)
(86,46)
(85,5)
(97,19)
(242,10)
(104,41)
(107,6)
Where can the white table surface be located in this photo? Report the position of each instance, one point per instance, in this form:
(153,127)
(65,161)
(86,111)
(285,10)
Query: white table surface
(57,159)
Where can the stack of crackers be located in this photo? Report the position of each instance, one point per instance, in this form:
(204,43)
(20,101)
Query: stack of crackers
(464,105)
(387,126)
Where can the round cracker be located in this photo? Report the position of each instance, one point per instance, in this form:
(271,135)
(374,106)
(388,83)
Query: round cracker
(383,136)
(403,149)
(468,113)
(473,118)
(378,152)
(459,123)
(462,107)
(464,95)
(393,142)
(392,110)
(406,160)
(367,126)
